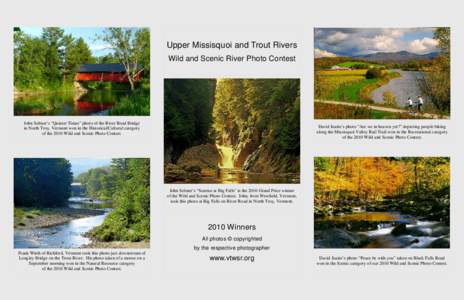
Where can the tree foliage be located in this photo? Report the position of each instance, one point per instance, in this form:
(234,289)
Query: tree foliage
(48,61)
(128,185)
(188,105)
(376,178)
(131,47)
(99,183)
(42,182)
(437,81)
(267,108)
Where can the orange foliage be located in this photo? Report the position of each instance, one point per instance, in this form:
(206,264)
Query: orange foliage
(374,178)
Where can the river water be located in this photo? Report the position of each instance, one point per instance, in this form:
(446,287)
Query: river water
(95,102)
(229,173)
(68,235)
(375,229)
(235,175)
(403,87)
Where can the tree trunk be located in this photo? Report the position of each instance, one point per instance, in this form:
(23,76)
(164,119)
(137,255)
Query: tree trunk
(131,84)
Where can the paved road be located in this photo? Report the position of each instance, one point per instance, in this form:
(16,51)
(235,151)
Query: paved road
(387,109)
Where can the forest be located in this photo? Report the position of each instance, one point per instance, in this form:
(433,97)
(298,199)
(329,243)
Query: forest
(254,124)
(45,67)
(42,182)
(359,193)
(127,184)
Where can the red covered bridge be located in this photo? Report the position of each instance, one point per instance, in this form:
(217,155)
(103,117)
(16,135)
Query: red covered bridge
(105,72)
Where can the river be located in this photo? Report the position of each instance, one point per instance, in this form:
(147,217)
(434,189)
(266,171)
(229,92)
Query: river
(229,173)
(379,230)
(67,235)
(95,102)
(403,87)
(235,175)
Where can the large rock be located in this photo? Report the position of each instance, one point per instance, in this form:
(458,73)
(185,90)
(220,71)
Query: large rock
(205,157)
(174,173)
(399,230)
(338,238)
(443,242)
(246,148)
(267,159)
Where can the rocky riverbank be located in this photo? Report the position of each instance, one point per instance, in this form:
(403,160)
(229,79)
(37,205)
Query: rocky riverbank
(195,162)
(203,161)
(420,234)
(118,244)
(31,218)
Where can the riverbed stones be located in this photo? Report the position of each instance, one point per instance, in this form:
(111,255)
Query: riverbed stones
(338,238)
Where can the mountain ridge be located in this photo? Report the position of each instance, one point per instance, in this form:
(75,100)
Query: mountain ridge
(399,56)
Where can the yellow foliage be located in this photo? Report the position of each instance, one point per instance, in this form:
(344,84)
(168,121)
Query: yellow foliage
(374,178)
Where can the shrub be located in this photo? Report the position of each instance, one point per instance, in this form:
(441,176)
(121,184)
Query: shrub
(375,73)
(389,98)
(136,104)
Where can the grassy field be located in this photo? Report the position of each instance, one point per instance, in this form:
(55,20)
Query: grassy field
(328,84)
(350,64)
(343,85)
(347,85)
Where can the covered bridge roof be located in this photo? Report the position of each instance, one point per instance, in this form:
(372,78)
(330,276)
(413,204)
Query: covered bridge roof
(103,68)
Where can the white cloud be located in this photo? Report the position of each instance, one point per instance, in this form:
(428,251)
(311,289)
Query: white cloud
(384,43)
(425,45)
(337,37)
(318,53)
(360,41)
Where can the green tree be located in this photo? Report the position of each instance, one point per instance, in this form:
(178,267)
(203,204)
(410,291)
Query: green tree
(131,47)
(42,182)
(188,105)
(53,37)
(130,218)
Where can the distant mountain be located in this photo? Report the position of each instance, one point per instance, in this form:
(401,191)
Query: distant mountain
(397,57)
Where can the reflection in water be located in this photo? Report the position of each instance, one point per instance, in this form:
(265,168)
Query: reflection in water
(69,235)
(373,216)
(228,173)
(240,176)
(68,103)
(88,203)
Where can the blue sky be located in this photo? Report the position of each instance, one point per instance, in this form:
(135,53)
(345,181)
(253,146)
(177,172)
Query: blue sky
(330,42)
(81,165)
(89,34)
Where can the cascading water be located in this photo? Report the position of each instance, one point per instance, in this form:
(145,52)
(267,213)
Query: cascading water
(227,157)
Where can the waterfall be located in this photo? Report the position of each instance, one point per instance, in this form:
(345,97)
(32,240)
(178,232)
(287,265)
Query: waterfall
(227,157)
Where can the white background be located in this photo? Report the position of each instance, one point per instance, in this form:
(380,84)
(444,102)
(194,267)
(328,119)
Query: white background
(230,19)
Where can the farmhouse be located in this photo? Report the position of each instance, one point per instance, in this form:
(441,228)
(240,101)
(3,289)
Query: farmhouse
(105,72)
(337,68)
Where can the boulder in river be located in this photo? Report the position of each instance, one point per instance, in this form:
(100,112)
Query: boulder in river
(205,157)
(174,173)
(338,238)
(399,230)
(442,242)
